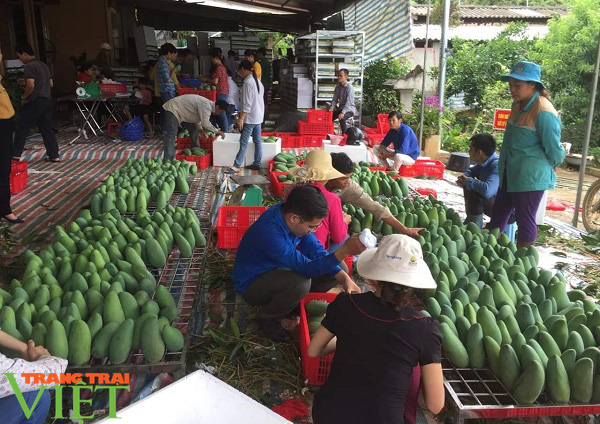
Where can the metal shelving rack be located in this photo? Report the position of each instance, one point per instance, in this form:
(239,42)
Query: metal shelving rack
(358,57)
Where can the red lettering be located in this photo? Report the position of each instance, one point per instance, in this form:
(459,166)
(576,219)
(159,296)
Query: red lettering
(28,376)
(53,379)
(92,376)
(38,378)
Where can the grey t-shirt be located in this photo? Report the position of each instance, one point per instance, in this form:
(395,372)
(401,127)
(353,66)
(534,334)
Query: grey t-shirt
(40,73)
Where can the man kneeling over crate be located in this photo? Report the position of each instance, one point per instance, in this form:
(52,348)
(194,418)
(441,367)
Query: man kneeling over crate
(193,112)
(279,260)
(350,192)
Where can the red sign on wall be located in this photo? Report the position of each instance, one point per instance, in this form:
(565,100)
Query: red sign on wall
(500,118)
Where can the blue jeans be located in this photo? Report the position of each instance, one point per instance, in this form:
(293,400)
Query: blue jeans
(164,98)
(170,127)
(13,414)
(222,118)
(254,131)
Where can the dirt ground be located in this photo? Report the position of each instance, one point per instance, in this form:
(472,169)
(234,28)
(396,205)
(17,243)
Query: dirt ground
(566,191)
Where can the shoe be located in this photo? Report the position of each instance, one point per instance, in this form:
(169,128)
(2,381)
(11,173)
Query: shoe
(231,170)
(273,330)
(12,221)
(253,167)
(53,160)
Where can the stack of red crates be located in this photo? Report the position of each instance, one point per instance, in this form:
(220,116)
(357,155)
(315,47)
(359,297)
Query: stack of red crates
(18,176)
(209,94)
(202,162)
(232,223)
(316,128)
(376,135)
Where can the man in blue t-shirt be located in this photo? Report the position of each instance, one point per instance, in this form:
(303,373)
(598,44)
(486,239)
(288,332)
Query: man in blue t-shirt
(406,146)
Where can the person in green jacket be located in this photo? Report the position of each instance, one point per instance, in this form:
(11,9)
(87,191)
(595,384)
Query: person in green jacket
(531,150)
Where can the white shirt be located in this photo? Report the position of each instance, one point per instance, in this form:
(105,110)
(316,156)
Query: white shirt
(193,109)
(44,365)
(252,101)
(234,93)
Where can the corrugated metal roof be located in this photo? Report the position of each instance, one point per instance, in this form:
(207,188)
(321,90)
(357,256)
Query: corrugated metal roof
(501,12)
(474,32)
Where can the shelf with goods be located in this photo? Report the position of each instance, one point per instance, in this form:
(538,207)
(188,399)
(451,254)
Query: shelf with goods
(326,52)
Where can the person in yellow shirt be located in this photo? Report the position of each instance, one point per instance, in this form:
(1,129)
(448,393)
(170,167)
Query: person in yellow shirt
(249,55)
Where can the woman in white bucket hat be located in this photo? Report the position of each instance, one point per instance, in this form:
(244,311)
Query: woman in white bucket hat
(378,338)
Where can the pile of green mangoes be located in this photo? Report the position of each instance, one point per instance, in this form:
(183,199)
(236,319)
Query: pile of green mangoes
(315,312)
(90,292)
(196,151)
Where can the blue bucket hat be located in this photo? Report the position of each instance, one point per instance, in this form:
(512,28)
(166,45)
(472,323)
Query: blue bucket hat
(525,71)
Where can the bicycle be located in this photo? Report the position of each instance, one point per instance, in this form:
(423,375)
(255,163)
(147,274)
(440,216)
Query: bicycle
(591,208)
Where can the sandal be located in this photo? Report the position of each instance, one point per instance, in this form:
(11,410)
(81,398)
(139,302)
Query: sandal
(54,160)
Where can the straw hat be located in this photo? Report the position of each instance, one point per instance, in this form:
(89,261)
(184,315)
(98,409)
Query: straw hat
(105,46)
(317,167)
(398,259)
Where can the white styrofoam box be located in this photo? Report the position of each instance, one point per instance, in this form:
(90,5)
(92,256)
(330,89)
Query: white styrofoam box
(356,153)
(305,102)
(269,150)
(305,84)
(225,150)
(197,398)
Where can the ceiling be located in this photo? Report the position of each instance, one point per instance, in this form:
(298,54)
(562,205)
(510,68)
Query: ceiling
(179,15)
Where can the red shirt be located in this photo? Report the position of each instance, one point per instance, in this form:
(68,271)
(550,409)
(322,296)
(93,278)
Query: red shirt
(220,73)
(333,228)
(83,77)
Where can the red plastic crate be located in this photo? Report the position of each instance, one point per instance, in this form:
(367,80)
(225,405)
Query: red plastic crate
(427,191)
(315,370)
(268,134)
(18,176)
(183,143)
(112,89)
(316,116)
(206,143)
(383,124)
(292,141)
(232,223)
(312,140)
(376,168)
(114,128)
(375,139)
(429,168)
(202,162)
(209,94)
(277,187)
(308,128)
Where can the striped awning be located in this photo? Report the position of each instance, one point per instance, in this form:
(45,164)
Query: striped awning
(386,25)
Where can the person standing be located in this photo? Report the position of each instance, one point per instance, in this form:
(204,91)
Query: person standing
(6,147)
(480,182)
(219,79)
(378,339)
(249,122)
(104,61)
(164,72)
(530,152)
(191,111)
(404,139)
(250,56)
(230,63)
(37,105)
(267,78)
(342,104)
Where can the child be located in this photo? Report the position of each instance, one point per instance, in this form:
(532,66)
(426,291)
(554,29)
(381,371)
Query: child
(378,338)
(143,107)
(480,182)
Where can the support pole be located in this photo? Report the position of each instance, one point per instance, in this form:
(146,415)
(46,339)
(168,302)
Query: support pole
(588,134)
(443,54)
(424,78)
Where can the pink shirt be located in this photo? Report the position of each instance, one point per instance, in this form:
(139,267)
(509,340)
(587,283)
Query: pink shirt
(333,228)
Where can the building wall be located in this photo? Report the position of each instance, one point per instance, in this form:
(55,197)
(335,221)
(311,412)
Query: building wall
(75,26)
(5,24)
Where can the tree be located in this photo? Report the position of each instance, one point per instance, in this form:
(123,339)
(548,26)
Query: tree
(473,65)
(378,99)
(567,56)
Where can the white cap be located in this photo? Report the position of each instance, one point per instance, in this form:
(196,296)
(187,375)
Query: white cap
(398,260)
(105,46)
